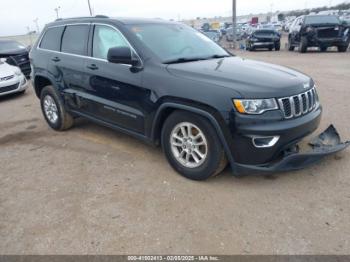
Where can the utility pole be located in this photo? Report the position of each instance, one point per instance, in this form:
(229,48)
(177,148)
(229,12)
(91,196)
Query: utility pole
(56,10)
(30,35)
(234,24)
(37,25)
(89,7)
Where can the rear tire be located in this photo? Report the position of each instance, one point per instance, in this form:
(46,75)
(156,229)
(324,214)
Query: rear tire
(53,110)
(303,45)
(251,48)
(342,48)
(191,146)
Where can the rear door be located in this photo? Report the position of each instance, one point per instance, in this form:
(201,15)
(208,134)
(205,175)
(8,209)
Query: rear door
(48,48)
(73,55)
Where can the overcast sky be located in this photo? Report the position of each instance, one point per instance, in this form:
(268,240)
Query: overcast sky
(16,15)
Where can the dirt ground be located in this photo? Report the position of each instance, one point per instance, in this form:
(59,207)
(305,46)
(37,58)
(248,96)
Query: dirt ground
(92,190)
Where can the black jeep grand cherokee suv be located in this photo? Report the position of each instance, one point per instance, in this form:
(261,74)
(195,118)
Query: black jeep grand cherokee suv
(321,31)
(168,84)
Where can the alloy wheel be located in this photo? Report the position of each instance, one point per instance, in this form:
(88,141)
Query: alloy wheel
(188,145)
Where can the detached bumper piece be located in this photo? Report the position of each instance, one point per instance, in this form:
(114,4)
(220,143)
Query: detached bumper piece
(325,144)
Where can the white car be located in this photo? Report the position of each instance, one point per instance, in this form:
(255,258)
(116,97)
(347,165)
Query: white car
(12,79)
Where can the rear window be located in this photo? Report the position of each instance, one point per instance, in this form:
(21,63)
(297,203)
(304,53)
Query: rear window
(52,39)
(321,19)
(75,39)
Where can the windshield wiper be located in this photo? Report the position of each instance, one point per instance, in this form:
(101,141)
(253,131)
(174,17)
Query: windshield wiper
(183,60)
(188,59)
(218,56)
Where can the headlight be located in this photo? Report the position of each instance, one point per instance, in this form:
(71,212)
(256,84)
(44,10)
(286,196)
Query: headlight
(18,71)
(253,39)
(255,106)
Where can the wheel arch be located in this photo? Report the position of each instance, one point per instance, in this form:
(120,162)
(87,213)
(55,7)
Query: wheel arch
(169,107)
(40,81)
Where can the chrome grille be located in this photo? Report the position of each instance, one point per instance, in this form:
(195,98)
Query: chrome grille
(298,105)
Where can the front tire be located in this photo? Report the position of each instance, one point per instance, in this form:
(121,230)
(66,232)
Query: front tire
(278,46)
(54,111)
(191,146)
(342,48)
(323,48)
(21,92)
(251,48)
(303,45)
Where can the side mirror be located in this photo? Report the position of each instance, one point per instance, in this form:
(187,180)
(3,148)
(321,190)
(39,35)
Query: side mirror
(121,55)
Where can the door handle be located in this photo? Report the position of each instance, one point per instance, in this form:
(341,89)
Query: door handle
(92,67)
(56,59)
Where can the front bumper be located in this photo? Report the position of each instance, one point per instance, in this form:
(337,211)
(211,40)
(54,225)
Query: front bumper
(325,144)
(263,44)
(314,40)
(18,84)
(290,132)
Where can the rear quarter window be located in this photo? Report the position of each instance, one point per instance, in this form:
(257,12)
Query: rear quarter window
(52,39)
(75,39)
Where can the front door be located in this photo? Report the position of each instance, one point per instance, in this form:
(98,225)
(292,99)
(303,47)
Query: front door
(114,90)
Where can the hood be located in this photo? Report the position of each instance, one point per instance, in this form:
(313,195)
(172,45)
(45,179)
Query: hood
(6,70)
(7,53)
(252,79)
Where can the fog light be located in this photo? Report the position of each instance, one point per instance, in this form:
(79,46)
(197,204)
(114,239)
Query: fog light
(264,141)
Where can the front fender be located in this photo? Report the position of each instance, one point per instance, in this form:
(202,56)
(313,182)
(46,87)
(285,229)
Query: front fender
(224,139)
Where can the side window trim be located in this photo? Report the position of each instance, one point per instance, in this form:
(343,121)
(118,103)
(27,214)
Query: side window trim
(89,46)
(118,31)
(65,27)
(64,30)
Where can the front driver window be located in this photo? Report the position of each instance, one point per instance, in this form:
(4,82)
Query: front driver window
(106,37)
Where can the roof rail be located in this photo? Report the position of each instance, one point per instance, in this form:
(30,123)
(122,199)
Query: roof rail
(82,17)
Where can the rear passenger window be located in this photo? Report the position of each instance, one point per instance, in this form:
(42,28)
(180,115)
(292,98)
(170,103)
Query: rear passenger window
(52,39)
(75,39)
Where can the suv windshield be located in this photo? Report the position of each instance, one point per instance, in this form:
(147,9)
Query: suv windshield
(10,45)
(321,19)
(176,42)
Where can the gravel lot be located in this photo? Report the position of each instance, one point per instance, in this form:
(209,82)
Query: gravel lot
(92,190)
